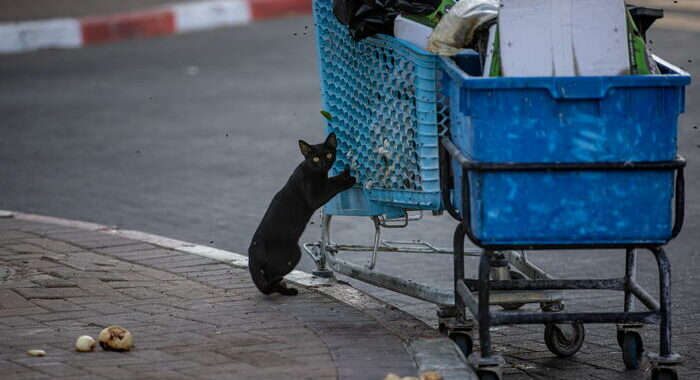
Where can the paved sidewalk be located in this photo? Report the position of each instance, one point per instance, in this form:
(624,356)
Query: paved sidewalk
(191,316)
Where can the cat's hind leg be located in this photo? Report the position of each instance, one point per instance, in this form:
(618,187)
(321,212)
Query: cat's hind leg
(286,256)
(283,289)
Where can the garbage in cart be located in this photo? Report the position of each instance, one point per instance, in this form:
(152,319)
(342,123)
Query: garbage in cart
(540,37)
(365,18)
(466,22)
(567,38)
(554,156)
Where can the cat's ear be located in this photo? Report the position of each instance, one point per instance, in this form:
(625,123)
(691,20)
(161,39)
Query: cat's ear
(305,148)
(331,141)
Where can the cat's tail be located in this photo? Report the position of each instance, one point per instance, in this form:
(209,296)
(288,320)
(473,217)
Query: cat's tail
(265,286)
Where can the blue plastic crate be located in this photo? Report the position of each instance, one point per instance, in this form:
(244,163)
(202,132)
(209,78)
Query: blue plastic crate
(387,111)
(568,120)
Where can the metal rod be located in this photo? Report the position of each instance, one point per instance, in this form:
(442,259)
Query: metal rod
(679,162)
(407,287)
(643,296)
(401,246)
(504,318)
(630,276)
(484,314)
(520,261)
(505,297)
(600,284)
(680,204)
(664,300)
(325,232)
(377,234)
(447,182)
(386,222)
(467,298)
(458,268)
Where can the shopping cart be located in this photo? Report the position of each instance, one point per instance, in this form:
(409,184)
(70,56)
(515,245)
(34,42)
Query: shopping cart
(424,134)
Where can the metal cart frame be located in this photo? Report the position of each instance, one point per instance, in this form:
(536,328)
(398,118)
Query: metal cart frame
(627,321)
(564,332)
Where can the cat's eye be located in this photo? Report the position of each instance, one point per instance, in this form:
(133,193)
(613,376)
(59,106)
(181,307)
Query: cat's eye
(329,155)
(316,159)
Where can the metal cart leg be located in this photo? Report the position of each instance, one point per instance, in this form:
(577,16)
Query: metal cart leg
(459,268)
(630,275)
(628,334)
(487,365)
(484,315)
(322,269)
(454,321)
(663,364)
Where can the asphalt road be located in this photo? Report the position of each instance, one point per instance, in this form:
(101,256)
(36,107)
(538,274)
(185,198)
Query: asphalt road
(189,136)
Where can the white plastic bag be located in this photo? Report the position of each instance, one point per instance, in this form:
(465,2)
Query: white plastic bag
(456,29)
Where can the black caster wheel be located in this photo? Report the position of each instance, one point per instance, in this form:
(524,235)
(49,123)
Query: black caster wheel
(463,341)
(564,339)
(514,306)
(632,350)
(663,374)
(488,375)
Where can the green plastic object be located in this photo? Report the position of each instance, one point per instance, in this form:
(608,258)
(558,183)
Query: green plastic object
(432,19)
(495,69)
(640,62)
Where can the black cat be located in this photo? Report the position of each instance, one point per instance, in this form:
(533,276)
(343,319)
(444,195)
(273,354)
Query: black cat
(274,251)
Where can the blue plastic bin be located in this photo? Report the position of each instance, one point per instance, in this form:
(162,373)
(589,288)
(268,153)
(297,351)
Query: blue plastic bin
(567,120)
(388,112)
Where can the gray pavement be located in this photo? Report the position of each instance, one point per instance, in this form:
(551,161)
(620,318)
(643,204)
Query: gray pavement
(191,317)
(131,134)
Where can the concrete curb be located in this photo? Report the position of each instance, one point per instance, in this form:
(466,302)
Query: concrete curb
(62,33)
(430,350)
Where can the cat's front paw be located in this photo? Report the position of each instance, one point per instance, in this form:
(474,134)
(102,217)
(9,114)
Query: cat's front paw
(349,182)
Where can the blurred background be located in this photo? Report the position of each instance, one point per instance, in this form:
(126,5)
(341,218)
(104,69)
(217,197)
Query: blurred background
(190,135)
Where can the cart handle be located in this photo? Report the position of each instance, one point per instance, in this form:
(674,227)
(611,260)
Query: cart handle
(446,179)
(467,165)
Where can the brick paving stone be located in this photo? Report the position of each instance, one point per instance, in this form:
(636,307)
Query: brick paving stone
(51,245)
(142,254)
(51,293)
(189,263)
(191,317)
(105,241)
(11,299)
(48,281)
(24,248)
(22,311)
(58,369)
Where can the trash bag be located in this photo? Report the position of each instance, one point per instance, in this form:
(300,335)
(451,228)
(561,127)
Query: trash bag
(365,18)
(455,31)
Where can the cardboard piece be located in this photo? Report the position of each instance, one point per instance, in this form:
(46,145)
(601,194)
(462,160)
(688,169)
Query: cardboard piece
(490,48)
(563,38)
(412,31)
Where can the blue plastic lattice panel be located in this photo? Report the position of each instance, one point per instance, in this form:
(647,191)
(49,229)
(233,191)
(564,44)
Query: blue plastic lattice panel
(387,113)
